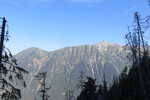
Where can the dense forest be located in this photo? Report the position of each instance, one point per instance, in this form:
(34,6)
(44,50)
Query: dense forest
(134,81)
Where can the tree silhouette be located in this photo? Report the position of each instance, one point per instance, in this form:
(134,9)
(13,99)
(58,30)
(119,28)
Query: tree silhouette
(89,90)
(105,89)
(42,80)
(136,42)
(10,73)
(139,52)
(133,84)
(102,92)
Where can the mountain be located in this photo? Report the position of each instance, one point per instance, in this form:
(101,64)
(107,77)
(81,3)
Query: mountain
(64,66)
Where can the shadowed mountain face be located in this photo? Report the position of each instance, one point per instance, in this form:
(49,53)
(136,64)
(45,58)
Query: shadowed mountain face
(64,66)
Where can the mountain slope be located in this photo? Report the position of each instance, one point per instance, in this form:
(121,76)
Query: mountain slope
(63,66)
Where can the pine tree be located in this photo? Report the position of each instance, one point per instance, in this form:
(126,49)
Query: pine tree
(105,89)
(139,52)
(10,73)
(89,90)
(42,80)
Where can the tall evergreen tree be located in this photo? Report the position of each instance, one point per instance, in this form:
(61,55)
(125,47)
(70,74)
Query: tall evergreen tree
(123,85)
(89,90)
(139,52)
(105,89)
(42,80)
(136,42)
(135,83)
(10,73)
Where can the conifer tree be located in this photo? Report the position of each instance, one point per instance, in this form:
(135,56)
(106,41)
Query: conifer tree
(139,54)
(89,90)
(10,73)
(105,89)
(42,80)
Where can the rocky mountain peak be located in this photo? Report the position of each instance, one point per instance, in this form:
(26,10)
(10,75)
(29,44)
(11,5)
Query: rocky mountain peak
(104,42)
(63,66)
(103,45)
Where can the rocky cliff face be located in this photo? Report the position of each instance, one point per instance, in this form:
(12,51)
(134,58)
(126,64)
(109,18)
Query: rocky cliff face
(63,66)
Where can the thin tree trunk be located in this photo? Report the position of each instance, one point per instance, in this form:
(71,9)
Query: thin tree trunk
(2,43)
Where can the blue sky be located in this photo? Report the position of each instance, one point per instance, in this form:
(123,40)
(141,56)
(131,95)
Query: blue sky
(54,24)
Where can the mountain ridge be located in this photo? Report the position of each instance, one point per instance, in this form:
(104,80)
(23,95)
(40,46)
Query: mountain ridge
(104,42)
(64,65)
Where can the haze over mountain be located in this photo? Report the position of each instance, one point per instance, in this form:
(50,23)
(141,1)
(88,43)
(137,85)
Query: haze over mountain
(64,66)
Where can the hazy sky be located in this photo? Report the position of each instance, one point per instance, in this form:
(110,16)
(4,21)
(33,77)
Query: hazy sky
(53,24)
